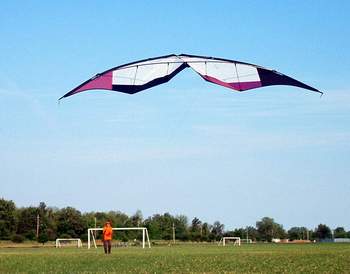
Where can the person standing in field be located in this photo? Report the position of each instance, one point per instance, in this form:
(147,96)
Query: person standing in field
(107,237)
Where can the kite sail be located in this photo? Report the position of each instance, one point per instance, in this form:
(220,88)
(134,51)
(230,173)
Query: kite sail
(140,75)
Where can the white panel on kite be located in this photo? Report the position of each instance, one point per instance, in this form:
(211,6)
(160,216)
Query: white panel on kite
(144,72)
(247,73)
(124,76)
(198,67)
(225,72)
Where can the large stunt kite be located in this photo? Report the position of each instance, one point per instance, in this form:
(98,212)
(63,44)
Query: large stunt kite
(140,75)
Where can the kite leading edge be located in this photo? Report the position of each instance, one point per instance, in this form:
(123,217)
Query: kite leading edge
(140,75)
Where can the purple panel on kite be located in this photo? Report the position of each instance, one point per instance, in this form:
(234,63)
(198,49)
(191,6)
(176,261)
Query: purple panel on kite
(236,86)
(103,81)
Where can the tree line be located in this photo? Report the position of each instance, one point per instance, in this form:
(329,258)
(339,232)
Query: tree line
(43,223)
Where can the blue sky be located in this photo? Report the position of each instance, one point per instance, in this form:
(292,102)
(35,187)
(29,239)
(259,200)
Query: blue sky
(186,147)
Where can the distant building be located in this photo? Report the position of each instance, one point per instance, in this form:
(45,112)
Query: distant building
(342,240)
(326,240)
(280,240)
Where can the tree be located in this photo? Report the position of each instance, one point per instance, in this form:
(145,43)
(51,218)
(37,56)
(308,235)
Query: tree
(181,231)
(244,233)
(217,231)
(323,232)
(160,226)
(27,219)
(253,233)
(47,221)
(268,229)
(196,229)
(238,232)
(206,231)
(137,218)
(7,218)
(153,226)
(43,237)
(340,232)
(101,218)
(297,233)
(70,221)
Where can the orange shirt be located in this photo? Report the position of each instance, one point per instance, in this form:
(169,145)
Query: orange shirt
(107,233)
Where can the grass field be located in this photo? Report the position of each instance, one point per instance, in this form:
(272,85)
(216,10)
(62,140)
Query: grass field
(254,258)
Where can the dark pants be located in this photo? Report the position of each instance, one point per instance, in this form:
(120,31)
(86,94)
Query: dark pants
(107,245)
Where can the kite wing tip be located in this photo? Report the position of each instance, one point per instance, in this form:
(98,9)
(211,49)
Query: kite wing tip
(64,96)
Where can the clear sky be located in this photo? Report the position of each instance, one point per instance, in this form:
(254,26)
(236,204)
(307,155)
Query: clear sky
(186,147)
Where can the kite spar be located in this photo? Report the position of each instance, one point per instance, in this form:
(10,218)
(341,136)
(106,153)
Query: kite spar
(144,74)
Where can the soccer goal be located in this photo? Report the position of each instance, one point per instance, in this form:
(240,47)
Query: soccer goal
(91,235)
(67,242)
(235,240)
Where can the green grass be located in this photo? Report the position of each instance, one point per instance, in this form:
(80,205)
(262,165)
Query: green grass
(260,258)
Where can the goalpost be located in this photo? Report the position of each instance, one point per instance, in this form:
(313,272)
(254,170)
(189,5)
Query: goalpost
(143,229)
(59,240)
(237,240)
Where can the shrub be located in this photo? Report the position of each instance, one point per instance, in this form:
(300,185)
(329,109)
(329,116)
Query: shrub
(43,238)
(65,236)
(17,238)
(51,234)
(30,235)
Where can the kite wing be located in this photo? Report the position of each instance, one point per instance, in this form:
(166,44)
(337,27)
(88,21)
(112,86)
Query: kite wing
(237,75)
(137,76)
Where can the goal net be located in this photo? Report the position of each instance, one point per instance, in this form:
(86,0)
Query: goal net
(68,242)
(226,240)
(92,234)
